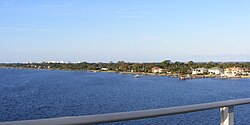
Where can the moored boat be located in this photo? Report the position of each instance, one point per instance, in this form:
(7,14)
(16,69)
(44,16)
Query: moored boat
(137,76)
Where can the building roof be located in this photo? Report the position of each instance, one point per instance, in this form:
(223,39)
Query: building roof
(200,68)
(216,68)
(235,69)
(156,68)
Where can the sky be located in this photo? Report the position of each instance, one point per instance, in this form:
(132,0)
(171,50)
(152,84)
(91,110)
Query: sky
(128,30)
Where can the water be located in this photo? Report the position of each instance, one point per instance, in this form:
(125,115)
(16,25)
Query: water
(35,94)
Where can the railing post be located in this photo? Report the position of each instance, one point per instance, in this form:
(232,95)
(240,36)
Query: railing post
(227,115)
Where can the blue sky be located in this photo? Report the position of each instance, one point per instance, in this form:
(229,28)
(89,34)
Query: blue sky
(129,30)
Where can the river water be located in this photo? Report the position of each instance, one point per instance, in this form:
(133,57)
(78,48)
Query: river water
(35,94)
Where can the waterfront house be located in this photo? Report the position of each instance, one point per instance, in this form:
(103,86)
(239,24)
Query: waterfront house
(215,71)
(199,71)
(233,71)
(246,73)
(157,70)
(104,69)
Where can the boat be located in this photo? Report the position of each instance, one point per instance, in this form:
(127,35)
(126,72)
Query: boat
(185,77)
(137,76)
(182,78)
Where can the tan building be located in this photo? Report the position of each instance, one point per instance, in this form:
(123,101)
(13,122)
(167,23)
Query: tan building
(157,70)
(233,71)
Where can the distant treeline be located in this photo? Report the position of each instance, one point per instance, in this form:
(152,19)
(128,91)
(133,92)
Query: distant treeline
(121,66)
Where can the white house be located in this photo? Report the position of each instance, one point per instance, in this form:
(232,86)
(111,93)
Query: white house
(216,71)
(199,71)
(104,69)
(157,70)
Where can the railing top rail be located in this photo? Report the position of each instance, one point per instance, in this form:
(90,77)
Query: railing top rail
(132,115)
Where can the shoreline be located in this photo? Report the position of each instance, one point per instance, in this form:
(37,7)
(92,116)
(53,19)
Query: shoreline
(180,76)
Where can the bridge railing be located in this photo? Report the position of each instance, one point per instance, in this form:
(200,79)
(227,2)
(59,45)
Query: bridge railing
(226,111)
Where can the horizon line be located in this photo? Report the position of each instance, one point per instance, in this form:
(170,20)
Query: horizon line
(75,62)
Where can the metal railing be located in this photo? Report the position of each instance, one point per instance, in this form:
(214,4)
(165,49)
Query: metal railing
(226,110)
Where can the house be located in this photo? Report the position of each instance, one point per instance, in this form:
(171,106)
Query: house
(104,69)
(216,71)
(233,71)
(199,71)
(157,70)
